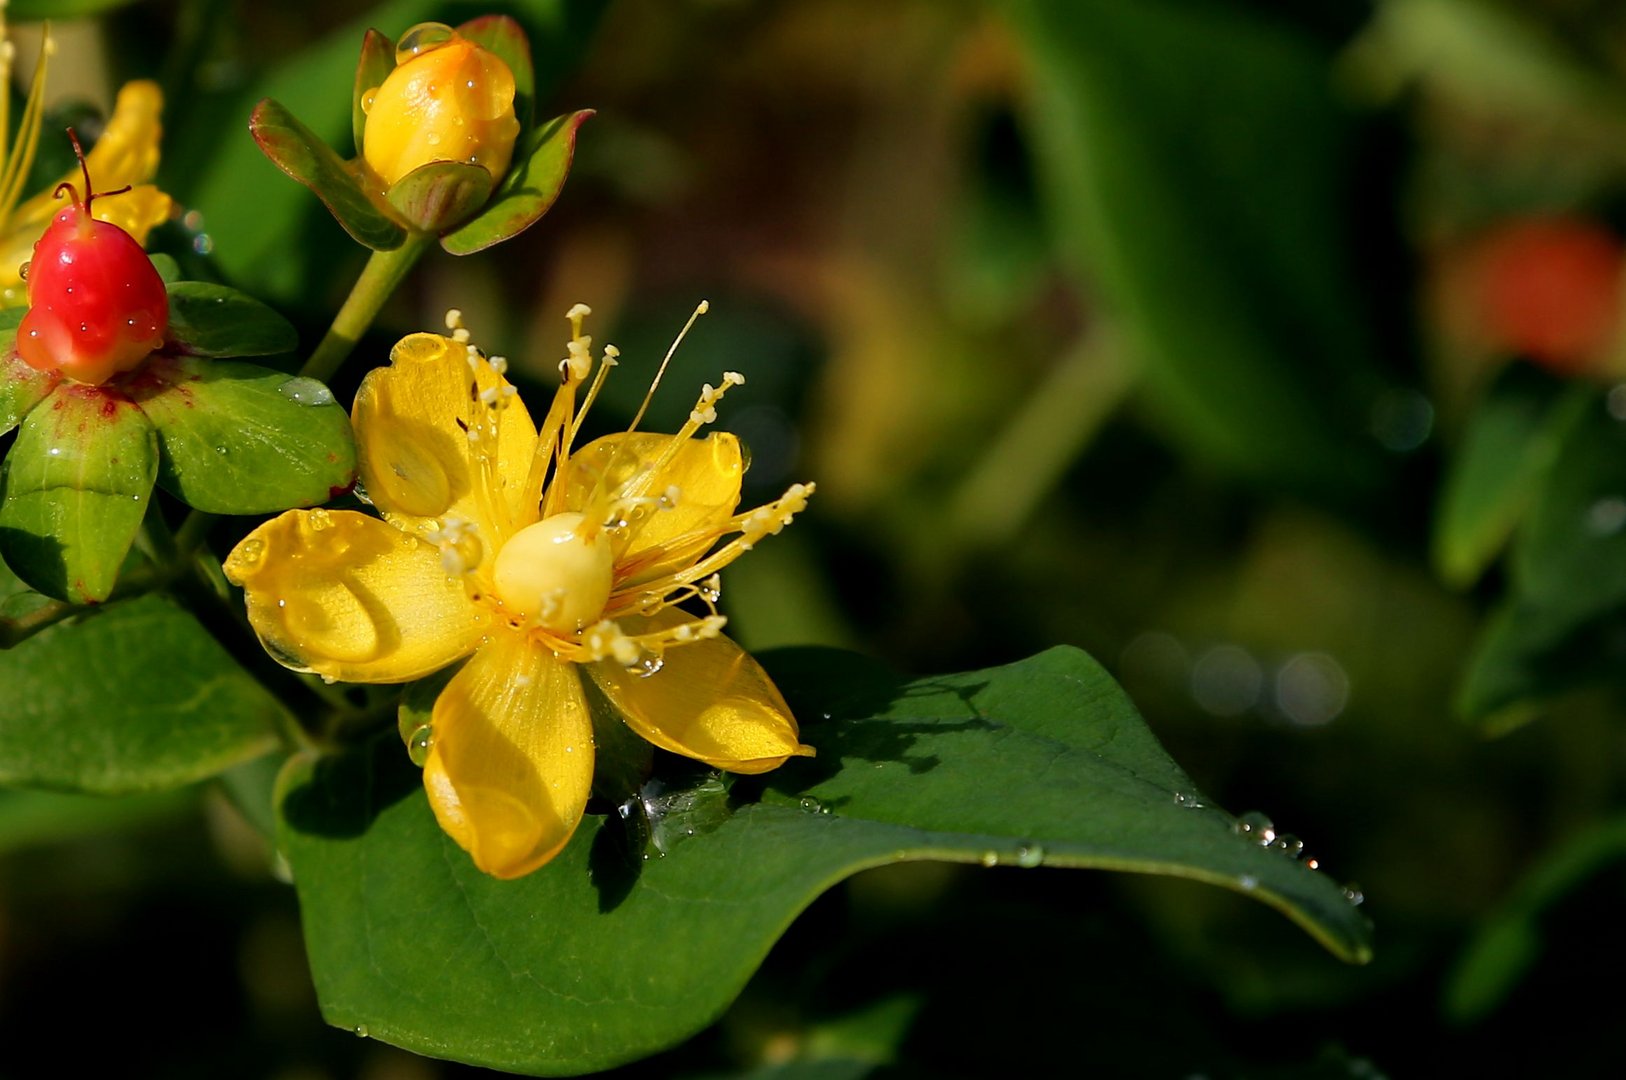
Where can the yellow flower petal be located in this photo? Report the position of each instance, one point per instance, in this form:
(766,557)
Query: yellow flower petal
(709,701)
(511,763)
(351,597)
(706,473)
(415,457)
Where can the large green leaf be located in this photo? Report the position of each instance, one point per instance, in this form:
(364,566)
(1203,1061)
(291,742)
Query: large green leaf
(136,697)
(213,320)
(534,180)
(1563,623)
(242,439)
(1201,170)
(611,952)
(26,10)
(1510,444)
(75,488)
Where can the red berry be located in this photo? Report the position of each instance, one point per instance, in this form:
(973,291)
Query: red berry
(96,305)
(1552,290)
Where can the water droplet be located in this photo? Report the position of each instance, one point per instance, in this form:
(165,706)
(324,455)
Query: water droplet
(421,38)
(1288,845)
(1029,854)
(1189,802)
(989,858)
(22,271)
(419,744)
(361,1031)
(810,805)
(1248,882)
(305,391)
(648,666)
(318,519)
(246,557)
(1256,827)
(367,100)
(222,451)
(433,139)
(1353,893)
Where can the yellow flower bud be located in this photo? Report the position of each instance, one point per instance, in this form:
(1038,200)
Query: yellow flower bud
(448,99)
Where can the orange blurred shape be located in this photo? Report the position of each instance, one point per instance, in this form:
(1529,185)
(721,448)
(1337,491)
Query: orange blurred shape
(1552,290)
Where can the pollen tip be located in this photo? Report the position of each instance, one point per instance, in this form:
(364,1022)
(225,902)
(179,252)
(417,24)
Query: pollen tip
(704,306)
(578,311)
(454,318)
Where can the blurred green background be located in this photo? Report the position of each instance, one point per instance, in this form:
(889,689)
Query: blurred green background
(1211,336)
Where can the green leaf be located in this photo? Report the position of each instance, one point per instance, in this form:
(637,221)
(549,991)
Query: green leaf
(213,320)
(505,37)
(33,10)
(441,194)
(1563,624)
(31,818)
(21,387)
(169,271)
(1509,446)
(1200,167)
(242,439)
(135,697)
(374,65)
(297,151)
(75,488)
(541,163)
(604,956)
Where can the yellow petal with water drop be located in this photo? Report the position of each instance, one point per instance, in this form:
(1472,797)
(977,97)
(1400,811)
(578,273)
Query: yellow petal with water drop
(708,701)
(350,597)
(706,473)
(511,764)
(416,461)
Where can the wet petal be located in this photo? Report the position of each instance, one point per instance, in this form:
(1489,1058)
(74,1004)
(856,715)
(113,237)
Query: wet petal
(127,153)
(708,701)
(706,473)
(417,463)
(350,597)
(511,763)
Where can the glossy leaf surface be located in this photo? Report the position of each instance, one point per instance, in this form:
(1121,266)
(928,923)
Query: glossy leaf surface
(541,163)
(297,151)
(605,955)
(214,320)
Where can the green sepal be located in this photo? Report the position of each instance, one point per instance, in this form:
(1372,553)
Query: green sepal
(74,490)
(214,320)
(238,438)
(440,195)
(1044,762)
(21,388)
(537,174)
(506,38)
(373,66)
(296,150)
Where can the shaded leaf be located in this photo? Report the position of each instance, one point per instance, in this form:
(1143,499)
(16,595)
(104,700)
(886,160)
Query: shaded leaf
(30,10)
(534,180)
(135,697)
(29,818)
(298,152)
(75,488)
(1200,170)
(242,439)
(1508,448)
(603,955)
(213,320)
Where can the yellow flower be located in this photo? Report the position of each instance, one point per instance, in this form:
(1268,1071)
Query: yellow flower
(448,100)
(126,154)
(539,562)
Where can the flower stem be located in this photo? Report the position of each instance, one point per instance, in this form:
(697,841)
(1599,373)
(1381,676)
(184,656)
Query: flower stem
(383,272)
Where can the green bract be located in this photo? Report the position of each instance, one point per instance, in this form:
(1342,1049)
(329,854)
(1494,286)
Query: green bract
(462,203)
(229,438)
